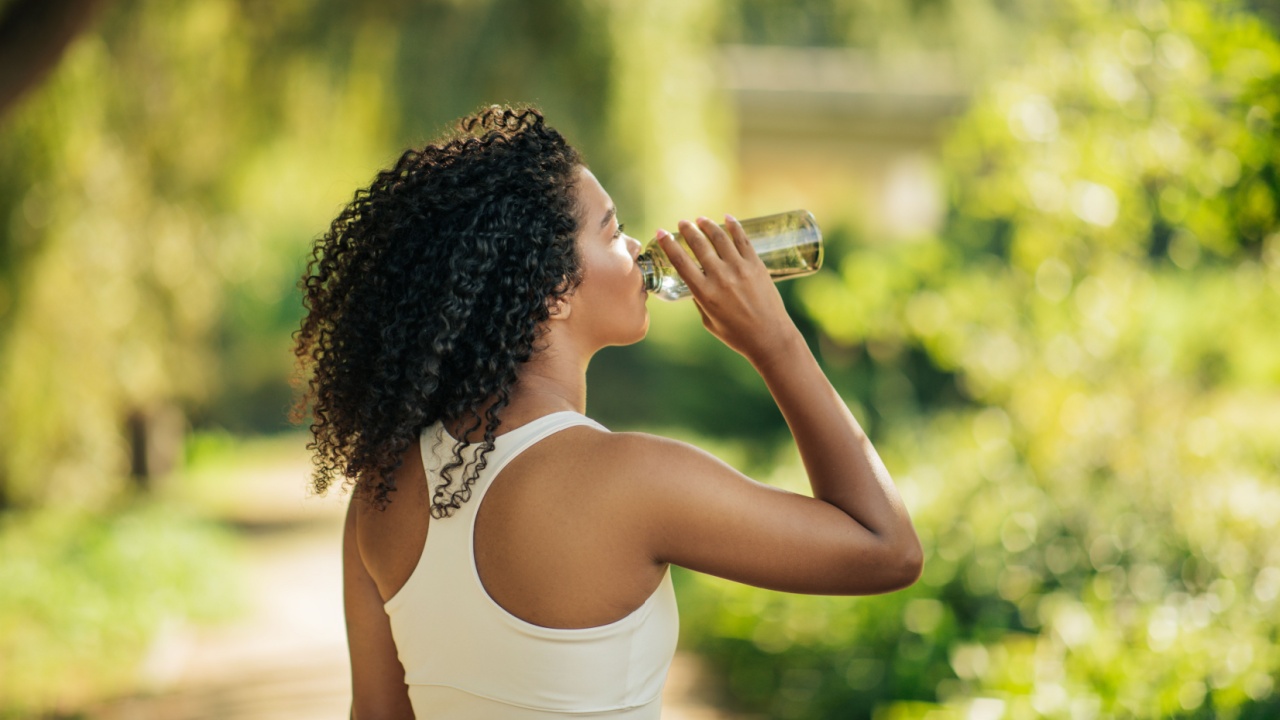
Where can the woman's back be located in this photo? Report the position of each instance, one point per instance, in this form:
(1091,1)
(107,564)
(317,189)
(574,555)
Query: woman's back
(551,614)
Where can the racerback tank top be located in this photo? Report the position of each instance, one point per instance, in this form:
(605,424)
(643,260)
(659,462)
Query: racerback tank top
(466,658)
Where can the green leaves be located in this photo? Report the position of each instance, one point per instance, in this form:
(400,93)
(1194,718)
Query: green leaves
(1099,517)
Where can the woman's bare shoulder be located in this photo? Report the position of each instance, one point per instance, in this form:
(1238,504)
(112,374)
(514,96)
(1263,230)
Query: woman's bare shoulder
(642,460)
(637,447)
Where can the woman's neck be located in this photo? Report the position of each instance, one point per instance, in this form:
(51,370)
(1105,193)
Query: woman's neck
(550,382)
(546,384)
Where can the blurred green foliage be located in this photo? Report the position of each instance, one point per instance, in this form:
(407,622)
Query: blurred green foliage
(82,596)
(1100,515)
(159,193)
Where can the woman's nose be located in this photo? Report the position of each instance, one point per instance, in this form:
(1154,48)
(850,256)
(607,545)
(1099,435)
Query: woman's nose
(634,246)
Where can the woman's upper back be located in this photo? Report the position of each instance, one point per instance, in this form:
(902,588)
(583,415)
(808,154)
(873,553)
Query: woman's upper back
(554,612)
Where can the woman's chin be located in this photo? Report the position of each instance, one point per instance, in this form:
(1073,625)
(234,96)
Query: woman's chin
(644,329)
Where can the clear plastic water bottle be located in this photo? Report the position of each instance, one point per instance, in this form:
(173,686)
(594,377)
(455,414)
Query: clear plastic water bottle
(790,244)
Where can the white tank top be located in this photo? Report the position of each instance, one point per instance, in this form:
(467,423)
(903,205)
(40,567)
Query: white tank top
(466,658)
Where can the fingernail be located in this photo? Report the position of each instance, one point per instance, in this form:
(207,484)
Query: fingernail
(730,218)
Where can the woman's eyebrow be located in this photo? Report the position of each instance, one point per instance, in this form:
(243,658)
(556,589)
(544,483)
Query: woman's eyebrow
(608,215)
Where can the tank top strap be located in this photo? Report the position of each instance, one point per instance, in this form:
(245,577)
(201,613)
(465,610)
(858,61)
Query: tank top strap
(505,448)
(520,439)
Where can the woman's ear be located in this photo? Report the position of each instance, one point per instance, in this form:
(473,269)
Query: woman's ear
(559,308)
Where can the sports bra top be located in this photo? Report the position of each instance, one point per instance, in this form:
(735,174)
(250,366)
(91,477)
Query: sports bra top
(465,657)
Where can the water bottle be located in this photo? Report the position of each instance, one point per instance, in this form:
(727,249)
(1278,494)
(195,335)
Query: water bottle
(790,244)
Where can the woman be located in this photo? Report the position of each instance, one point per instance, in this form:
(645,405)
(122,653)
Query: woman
(504,555)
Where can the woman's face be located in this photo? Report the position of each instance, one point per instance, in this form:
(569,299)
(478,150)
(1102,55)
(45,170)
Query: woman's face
(609,304)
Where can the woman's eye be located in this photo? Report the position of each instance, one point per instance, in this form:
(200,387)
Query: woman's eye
(618,233)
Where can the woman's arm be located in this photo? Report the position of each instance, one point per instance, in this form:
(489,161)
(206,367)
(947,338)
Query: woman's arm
(377,677)
(853,536)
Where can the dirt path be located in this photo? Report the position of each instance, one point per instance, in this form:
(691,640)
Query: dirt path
(285,657)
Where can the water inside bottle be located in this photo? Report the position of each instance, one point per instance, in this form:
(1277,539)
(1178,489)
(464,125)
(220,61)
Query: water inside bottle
(789,244)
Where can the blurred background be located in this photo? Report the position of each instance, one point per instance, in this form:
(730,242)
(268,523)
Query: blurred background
(1050,294)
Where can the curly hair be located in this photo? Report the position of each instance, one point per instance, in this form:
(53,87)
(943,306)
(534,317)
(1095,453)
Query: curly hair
(428,292)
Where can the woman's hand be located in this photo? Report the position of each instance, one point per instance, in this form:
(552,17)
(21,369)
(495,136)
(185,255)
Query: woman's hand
(733,292)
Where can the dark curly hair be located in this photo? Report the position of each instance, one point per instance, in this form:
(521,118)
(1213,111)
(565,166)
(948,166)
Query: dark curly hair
(428,292)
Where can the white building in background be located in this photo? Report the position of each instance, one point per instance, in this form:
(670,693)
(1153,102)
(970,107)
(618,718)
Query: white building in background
(851,139)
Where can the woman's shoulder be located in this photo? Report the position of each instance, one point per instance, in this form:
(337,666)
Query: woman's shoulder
(627,456)
(622,444)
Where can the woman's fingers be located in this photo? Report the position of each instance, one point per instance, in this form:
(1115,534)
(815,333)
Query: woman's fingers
(715,259)
(680,259)
(745,248)
(724,245)
(734,294)
(702,248)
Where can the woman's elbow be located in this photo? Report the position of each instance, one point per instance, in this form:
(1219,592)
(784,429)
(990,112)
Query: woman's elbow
(911,564)
(899,566)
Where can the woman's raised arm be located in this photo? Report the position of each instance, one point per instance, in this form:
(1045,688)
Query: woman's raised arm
(853,536)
